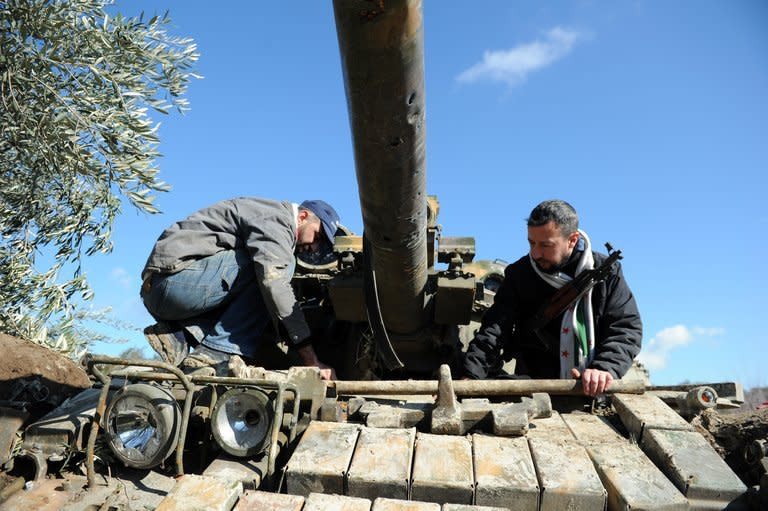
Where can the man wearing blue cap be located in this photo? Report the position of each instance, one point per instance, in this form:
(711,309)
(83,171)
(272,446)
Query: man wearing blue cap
(215,280)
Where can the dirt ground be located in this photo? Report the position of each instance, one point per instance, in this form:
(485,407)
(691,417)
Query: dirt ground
(730,434)
(26,361)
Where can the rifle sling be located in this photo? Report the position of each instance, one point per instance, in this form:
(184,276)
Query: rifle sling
(540,320)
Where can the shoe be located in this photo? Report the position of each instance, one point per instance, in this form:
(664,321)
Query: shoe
(206,371)
(203,359)
(168,342)
(237,368)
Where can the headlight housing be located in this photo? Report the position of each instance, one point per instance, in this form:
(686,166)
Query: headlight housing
(242,421)
(142,425)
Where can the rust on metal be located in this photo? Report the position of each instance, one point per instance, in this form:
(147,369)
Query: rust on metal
(41,496)
(322,458)
(11,421)
(732,391)
(442,469)
(462,507)
(550,427)
(64,427)
(479,388)
(267,501)
(591,429)
(9,485)
(381,464)
(566,474)
(647,411)
(389,416)
(512,419)
(504,473)
(632,481)
(97,418)
(250,472)
(322,502)
(91,362)
(384,504)
(383,63)
(446,417)
(690,462)
(188,382)
(200,493)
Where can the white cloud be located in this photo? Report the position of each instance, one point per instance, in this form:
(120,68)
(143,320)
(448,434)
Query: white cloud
(121,276)
(707,332)
(512,66)
(656,352)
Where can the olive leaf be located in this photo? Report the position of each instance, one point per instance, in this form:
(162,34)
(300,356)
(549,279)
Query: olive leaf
(78,142)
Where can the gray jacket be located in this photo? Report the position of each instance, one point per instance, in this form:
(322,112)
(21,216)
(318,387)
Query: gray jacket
(266,228)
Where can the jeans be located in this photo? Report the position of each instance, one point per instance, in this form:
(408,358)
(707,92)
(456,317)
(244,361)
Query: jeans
(216,300)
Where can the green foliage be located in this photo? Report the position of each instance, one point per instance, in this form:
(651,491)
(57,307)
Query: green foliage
(76,90)
(68,334)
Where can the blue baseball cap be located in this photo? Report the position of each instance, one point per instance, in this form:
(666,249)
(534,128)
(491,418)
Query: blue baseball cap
(327,215)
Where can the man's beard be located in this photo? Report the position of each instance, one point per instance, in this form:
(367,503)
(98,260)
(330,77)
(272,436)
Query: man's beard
(554,268)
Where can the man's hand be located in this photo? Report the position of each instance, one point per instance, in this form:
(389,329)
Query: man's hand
(594,381)
(326,372)
(309,357)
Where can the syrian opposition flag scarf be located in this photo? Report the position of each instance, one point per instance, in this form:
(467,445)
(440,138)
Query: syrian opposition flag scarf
(577,331)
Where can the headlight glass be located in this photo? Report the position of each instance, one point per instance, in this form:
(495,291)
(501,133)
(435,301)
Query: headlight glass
(142,423)
(242,421)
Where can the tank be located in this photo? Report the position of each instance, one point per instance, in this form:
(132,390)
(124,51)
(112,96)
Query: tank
(392,309)
(402,310)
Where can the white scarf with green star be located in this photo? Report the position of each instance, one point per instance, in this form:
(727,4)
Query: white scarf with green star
(577,331)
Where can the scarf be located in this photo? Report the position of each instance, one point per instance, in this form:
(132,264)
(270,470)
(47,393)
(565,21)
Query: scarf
(577,330)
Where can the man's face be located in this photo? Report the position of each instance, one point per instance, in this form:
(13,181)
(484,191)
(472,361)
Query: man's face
(309,235)
(549,249)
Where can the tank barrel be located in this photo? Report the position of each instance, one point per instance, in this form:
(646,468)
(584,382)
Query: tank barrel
(382,55)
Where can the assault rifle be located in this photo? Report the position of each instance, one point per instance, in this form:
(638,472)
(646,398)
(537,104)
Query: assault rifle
(568,295)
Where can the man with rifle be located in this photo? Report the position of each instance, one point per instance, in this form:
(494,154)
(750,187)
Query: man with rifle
(563,310)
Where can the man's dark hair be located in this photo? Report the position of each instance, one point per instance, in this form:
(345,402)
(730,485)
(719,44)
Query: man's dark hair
(557,211)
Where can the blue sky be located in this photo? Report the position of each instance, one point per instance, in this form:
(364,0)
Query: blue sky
(651,118)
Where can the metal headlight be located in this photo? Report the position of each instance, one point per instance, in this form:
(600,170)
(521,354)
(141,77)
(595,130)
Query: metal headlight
(242,421)
(142,425)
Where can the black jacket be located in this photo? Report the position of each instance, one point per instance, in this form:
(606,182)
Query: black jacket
(503,336)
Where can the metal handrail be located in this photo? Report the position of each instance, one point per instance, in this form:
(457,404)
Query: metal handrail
(188,382)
